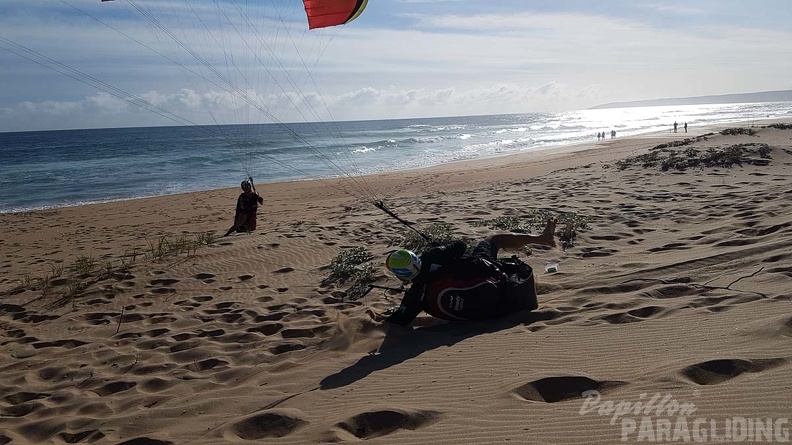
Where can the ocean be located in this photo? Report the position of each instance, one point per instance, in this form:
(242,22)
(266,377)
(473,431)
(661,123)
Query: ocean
(50,169)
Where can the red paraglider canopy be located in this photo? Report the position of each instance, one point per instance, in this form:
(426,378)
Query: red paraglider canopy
(322,13)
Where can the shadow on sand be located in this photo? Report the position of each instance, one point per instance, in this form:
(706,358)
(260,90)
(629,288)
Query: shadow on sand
(403,343)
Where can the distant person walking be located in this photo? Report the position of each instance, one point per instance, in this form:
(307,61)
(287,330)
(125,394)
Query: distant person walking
(675,127)
(599,136)
(685,127)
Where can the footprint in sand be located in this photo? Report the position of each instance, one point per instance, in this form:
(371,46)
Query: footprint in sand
(156,332)
(634,315)
(184,345)
(114,387)
(221,308)
(786,328)
(189,305)
(616,237)
(267,424)
(267,328)
(232,318)
(594,252)
(66,344)
(670,246)
(159,319)
(163,290)
(156,384)
(89,436)
(145,441)
(31,317)
(24,397)
(99,318)
(378,423)
(286,347)
(670,291)
(18,334)
(718,371)
(212,333)
(163,282)
(205,277)
(557,389)
(205,365)
(787,271)
(730,301)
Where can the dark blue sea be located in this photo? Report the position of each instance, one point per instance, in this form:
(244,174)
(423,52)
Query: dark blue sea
(46,169)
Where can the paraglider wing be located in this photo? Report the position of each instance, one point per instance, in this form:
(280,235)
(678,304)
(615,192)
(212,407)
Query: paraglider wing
(323,13)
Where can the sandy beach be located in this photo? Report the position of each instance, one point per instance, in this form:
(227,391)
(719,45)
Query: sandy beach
(680,289)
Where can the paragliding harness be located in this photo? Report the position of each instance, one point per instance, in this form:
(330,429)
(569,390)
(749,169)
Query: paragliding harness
(521,285)
(476,288)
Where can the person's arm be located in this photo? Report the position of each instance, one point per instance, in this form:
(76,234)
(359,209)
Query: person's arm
(410,307)
(259,199)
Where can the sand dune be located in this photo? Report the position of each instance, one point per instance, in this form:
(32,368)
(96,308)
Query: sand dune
(681,287)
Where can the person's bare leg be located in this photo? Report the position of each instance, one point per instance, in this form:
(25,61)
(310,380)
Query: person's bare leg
(240,219)
(517,240)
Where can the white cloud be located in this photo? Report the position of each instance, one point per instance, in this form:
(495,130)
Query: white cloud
(154,98)
(674,8)
(52,108)
(190,98)
(107,103)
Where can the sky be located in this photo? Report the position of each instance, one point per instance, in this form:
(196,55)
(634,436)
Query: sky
(91,64)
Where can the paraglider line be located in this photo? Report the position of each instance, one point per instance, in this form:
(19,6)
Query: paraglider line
(381,205)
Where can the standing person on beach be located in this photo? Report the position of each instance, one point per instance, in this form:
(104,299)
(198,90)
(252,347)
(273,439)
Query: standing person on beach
(246,209)
(450,285)
(685,127)
(675,127)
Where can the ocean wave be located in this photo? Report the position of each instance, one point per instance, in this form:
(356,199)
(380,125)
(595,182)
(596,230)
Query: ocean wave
(130,163)
(422,140)
(437,128)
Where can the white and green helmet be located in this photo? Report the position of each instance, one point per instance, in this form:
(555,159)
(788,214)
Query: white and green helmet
(404,264)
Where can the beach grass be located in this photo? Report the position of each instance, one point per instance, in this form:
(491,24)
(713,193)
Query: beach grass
(86,270)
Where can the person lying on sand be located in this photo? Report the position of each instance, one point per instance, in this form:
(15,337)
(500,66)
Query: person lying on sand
(450,285)
(246,208)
